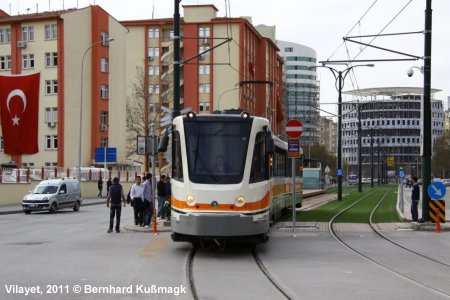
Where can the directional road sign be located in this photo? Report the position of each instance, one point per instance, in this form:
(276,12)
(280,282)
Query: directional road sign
(294,129)
(436,190)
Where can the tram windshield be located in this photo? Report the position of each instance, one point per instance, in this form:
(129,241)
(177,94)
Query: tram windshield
(216,150)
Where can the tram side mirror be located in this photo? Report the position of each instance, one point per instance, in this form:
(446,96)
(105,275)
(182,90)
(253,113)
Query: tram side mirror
(163,144)
(270,145)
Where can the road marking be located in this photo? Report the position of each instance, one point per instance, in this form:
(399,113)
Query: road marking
(155,247)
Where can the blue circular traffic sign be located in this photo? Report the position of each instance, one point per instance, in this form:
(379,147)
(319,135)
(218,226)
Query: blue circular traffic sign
(401,174)
(339,172)
(436,190)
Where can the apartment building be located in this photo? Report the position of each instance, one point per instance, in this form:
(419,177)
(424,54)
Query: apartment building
(302,91)
(218,55)
(328,134)
(57,44)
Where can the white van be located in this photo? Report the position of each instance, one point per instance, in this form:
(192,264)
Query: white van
(52,195)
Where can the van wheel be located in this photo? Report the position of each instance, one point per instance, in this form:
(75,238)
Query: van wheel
(76,207)
(53,208)
(27,212)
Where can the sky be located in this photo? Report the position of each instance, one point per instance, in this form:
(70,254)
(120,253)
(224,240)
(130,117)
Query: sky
(321,25)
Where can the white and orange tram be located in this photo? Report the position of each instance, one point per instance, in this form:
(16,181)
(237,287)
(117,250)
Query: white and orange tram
(231,178)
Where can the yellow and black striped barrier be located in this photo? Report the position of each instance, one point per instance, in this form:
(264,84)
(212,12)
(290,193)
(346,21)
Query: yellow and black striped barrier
(437,211)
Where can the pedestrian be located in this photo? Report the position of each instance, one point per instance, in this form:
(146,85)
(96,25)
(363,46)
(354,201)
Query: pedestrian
(137,196)
(100,186)
(115,196)
(108,184)
(168,193)
(415,197)
(147,206)
(161,186)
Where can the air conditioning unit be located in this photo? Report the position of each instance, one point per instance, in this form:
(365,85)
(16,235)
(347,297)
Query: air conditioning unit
(104,127)
(150,58)
(201,57)
(51,124)
(205,41)
(21,44)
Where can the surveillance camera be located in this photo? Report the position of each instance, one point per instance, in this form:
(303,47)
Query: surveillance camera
(410,72)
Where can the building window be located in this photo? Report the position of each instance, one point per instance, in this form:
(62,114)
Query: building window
(104,91)
(28,33)
(104,65)
(28,61)
(153,89)
(153,33)
(104,118)
(288,49)
(51,142)
(2,146)
(153,70)
(203,49)
(51,87)
(204,69)
(51,31)
(28,165)
(51,59)
(5,35)
(104,142)
(203,88)
(5,62)
(204,107)
(153,52)
(104,37)
(203,32)
(51,115)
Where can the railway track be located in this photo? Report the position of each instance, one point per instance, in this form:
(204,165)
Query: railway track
(422,260)
(247,265)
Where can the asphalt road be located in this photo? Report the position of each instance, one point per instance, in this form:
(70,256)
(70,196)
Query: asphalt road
(69,255)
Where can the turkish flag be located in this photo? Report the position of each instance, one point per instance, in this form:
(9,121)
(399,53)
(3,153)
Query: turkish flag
(19,105)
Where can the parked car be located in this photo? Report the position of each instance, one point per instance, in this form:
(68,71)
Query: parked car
(52,195)
(446,181)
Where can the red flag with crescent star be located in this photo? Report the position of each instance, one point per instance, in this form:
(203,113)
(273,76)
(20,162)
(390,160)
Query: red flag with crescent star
(19,97)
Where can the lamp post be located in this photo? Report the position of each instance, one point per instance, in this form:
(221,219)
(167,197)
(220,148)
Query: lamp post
(81,102)
(340,76)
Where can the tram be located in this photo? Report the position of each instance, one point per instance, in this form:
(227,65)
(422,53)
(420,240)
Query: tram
(231,177)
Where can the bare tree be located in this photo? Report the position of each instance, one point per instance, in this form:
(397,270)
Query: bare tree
(138,124)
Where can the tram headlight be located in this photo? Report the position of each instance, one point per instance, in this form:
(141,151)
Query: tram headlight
(239,201)
(190,200)
(245,115)
(191,114)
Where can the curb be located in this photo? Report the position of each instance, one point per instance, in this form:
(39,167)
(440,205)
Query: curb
(161,227)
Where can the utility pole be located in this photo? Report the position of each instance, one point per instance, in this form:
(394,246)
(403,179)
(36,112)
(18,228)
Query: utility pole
(176,60)
(427,132)
(359,150)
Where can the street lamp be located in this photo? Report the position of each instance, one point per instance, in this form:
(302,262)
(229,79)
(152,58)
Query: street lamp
(340,76)
(81,102)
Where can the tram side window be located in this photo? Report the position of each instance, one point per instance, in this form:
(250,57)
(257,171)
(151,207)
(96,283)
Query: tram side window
(280,163)
(260,167)
(177,166)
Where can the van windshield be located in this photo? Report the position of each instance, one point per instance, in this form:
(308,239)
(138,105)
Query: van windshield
(45,189)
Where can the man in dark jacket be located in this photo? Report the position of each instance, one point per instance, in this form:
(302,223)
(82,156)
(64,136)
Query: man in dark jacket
(115,196)
(415,197)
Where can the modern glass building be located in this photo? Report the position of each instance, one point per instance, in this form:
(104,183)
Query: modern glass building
(301,89)
(390,130)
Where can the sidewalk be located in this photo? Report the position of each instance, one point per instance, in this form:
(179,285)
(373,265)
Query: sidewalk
(405,214)
(16,209)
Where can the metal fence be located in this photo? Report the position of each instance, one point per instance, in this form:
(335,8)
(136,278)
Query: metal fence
(8,175)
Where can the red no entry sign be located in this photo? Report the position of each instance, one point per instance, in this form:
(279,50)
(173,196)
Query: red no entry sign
(294,129)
